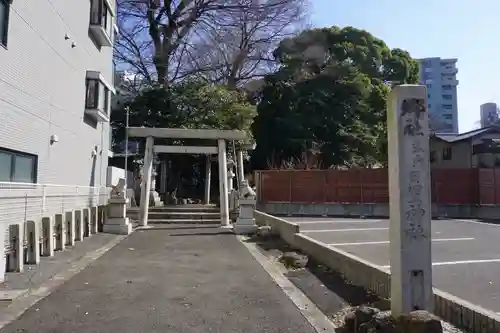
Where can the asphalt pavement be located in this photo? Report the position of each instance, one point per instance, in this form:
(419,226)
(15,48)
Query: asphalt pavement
(465,253)
(168,279)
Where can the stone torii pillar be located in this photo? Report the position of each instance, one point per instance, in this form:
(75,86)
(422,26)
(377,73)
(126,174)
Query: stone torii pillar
(230,175)
(223,188)
(146,181)
(240,162)
(208,175)
(410,200)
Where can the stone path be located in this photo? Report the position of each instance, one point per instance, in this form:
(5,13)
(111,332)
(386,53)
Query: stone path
(168,279)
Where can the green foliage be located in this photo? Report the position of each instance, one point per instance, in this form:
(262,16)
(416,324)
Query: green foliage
(190,104)
(330,92)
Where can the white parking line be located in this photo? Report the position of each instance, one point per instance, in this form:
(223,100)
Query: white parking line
(491,224)
(387,242)
(343,230)
(336,221)
(446,263)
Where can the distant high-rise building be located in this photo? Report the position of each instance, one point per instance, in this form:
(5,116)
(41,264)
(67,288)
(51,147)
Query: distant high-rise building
(440,77)
(489,114)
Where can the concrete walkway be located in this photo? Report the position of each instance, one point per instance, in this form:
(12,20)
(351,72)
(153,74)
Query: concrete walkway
(168,279)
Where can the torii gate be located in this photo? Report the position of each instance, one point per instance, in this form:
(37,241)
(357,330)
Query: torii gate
(180,133)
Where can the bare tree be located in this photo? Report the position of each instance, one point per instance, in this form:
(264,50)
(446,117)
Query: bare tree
(237,46)
(222,40)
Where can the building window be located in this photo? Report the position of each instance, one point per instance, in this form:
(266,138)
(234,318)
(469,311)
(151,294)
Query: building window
(97,97)
(100,15)
(4,21)
(447,106)
(92,95)
(429,86)
(17,167)
(447,97)
(101,22)
(448,116)
(428,106)
(447,154)
(446,87)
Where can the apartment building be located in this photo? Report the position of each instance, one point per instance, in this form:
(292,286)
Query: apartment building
(440,77)
(488,114)
(56,75)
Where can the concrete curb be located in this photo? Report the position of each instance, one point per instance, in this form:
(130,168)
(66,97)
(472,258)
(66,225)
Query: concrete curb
(318,320)
(454,310)
(285,229)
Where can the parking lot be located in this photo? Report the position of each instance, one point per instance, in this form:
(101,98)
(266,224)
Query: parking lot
(465,254)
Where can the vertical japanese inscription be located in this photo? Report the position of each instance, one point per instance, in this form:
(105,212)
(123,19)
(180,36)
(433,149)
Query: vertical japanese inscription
(412,112)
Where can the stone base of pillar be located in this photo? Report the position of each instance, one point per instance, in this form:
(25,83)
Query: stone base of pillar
(118,226)
(245,227)
(245,223)
(117,221)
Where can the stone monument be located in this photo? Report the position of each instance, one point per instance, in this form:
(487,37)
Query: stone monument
(409,200)
(245,223)
(117,221)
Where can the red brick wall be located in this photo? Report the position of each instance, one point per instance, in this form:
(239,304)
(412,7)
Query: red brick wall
(449,186)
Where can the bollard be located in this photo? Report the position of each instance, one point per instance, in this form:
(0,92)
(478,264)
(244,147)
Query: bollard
(48,236)
(15,260)
(86,222)
(70,228)
(102,218)
(78,225)
(94,218)
(33,251)
(59,233)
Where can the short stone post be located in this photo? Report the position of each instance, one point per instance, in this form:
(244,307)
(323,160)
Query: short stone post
(94,219)
(102,218)
(15,260)
(59,233)
(33,233)
(410,200)
(48,236)
(70,228)
(117,221)
(245,223)
(86,222)
(79,229)
(3,252)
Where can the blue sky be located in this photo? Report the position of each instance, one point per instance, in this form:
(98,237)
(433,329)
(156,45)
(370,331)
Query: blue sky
(464,29)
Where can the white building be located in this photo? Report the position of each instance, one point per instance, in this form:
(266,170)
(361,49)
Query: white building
(440,77)
(56,75)
(489,114)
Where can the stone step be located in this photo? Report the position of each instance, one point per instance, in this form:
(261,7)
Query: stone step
(183,215)
(186,208)
(184,221)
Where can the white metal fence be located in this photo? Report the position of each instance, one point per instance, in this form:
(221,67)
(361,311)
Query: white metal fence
(21,202)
